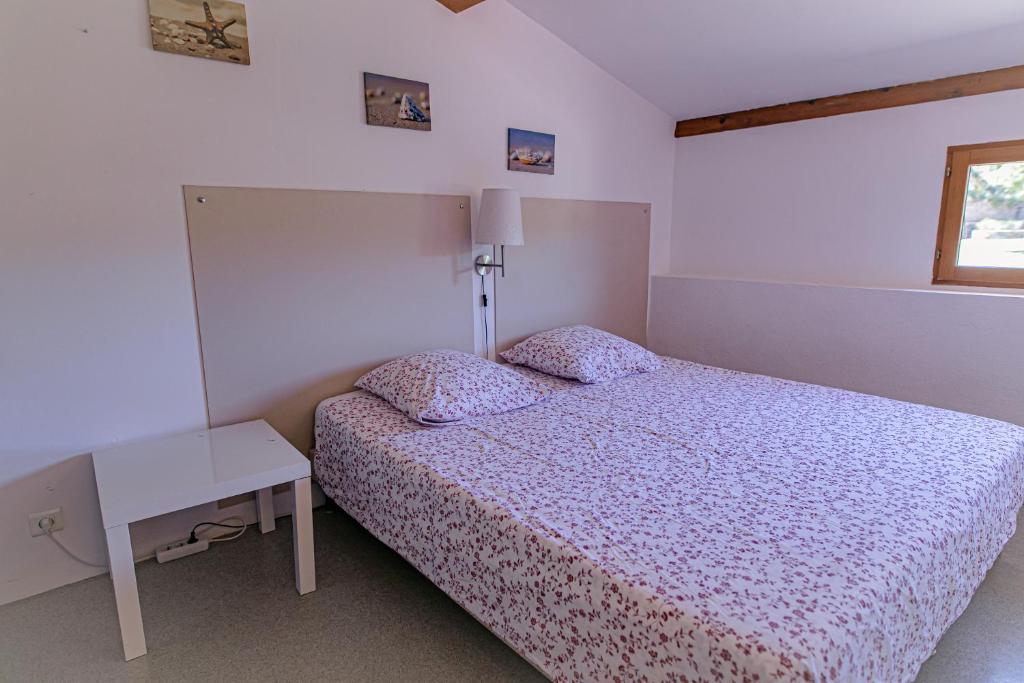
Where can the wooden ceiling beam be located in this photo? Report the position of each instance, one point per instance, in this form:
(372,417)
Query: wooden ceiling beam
(459,5)
(980,83)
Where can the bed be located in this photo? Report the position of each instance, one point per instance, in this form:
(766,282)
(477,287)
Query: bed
(690,524)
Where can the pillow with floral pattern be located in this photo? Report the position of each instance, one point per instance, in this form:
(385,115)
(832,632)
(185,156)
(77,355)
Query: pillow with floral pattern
(445,386)
(583,353)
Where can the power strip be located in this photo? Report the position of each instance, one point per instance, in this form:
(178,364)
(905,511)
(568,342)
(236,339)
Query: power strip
(180,549)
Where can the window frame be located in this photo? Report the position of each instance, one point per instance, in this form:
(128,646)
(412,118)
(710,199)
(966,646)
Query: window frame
(959,159)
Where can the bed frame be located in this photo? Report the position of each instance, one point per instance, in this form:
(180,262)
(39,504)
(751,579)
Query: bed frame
(299,292)
(583,263)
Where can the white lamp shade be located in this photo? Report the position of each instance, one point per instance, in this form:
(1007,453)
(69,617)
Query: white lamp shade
(501,218)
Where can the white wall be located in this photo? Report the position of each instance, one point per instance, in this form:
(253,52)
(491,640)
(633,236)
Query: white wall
(98,133)
(850,202)
(847,200)
(954,350)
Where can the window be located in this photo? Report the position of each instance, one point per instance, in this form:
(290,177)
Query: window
(981,225)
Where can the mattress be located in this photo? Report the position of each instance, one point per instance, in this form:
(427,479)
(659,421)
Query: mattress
(691,524)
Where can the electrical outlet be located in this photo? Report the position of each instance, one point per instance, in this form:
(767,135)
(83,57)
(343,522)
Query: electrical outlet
(37,528)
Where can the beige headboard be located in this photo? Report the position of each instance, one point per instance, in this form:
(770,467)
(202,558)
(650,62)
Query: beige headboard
(584,262)
(300,291)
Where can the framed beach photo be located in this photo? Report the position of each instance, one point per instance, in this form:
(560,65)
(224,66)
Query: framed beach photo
(215,29)
(531,152)
(396,102)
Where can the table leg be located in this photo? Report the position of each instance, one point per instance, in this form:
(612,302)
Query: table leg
(302,537)
(126,591)
(265,509)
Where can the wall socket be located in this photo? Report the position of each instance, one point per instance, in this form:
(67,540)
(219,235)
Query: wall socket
(56,515)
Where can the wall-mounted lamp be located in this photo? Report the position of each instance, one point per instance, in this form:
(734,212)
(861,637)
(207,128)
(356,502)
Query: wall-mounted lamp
(500,223)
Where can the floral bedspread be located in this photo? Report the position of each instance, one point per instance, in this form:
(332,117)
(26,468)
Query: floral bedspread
(691,524)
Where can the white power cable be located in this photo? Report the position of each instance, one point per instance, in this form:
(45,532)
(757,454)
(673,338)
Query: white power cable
(45,523)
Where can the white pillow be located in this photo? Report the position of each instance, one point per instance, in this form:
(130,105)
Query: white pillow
(584,353)
(446,386)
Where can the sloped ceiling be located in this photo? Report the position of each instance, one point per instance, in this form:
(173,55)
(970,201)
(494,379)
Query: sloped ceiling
(703,58)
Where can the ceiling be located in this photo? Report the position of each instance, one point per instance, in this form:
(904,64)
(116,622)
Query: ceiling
(702,58)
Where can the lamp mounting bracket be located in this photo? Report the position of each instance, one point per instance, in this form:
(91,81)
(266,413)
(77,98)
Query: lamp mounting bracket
(484,264)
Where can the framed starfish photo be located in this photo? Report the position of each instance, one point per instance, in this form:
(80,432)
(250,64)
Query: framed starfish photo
(396,102)
(214,29)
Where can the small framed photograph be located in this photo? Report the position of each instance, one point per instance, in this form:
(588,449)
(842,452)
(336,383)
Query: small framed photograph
(531,152)
(215,29)
(396,102)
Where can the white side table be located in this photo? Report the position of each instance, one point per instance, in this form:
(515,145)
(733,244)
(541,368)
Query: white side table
(149,478)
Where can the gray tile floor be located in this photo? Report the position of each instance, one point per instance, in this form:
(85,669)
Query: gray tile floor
(232,614)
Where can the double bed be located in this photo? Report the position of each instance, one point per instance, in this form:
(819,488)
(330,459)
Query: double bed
(692,523)
(687,524)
